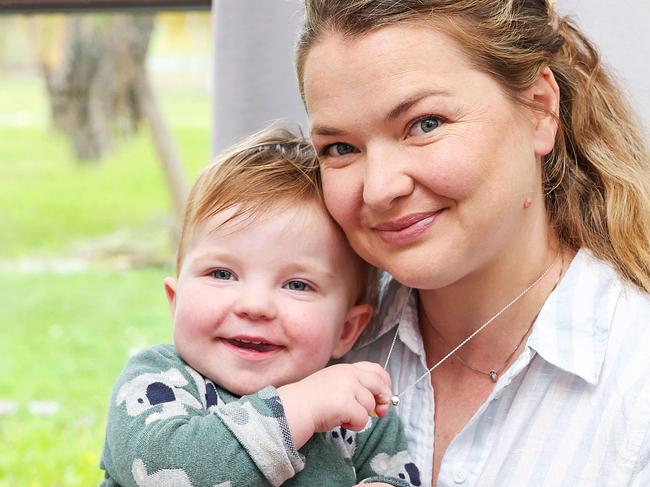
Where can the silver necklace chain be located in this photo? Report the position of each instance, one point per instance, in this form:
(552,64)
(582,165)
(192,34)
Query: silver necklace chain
(494,374)
(396,397)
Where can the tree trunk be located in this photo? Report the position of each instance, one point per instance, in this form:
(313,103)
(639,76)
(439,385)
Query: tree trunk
(101,89)
(93,90)
(167,152)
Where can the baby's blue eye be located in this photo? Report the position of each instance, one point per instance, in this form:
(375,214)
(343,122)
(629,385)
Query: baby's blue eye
(338,149)
(222,274)
(298,286)
(428,124)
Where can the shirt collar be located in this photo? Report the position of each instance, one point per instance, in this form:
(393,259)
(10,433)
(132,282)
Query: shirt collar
(397,306)
(572,329)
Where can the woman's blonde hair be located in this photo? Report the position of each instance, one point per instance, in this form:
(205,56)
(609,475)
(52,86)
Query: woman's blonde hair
(268,171)
(597,178)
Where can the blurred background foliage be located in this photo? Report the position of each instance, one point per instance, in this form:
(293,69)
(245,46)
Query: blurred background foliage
(85,241)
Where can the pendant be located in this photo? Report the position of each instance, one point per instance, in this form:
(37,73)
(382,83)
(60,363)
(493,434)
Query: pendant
(394,400)
(493,375)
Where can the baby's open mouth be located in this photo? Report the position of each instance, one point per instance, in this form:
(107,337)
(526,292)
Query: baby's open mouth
(258,346)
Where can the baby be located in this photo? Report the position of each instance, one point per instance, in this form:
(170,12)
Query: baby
(267,292)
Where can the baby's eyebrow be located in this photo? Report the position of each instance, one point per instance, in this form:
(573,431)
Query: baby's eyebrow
(326,131)
(214,255)
(309,268)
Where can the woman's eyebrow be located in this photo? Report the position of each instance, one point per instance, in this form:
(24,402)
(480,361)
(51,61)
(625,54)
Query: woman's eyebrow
(413,99)
(392,114)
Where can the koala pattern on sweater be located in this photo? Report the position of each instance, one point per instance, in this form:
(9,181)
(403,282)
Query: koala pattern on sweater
(168,426)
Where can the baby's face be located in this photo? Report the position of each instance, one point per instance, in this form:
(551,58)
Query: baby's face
(264,303)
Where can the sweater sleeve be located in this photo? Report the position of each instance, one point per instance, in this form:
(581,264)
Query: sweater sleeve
(381,454)
(167,425)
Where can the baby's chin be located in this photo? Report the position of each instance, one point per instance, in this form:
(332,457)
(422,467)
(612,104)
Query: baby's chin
(237,382)
(239,389)
(246,391)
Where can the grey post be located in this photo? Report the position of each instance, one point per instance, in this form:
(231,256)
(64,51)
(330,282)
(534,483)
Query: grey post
(254,77)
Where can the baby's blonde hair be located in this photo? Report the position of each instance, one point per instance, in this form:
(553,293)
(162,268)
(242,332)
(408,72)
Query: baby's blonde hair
(268,171)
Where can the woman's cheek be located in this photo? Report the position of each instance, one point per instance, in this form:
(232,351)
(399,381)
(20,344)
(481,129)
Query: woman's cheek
(342,193)
(451,173)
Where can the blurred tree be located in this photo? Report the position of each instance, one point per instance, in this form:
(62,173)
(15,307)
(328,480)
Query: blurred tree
(92,88)
(98,87)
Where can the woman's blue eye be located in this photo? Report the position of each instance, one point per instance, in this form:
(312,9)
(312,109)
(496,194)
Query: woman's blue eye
(428,124)
(222,274)
(338,149)
(298,286)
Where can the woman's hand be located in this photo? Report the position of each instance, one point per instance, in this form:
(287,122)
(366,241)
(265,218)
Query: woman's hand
(339,395)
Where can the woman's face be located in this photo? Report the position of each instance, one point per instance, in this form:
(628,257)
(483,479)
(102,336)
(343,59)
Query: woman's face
(426,163)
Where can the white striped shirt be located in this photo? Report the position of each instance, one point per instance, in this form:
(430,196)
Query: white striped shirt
(572,410)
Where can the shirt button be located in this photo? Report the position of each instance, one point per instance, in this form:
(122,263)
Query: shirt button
(460,477)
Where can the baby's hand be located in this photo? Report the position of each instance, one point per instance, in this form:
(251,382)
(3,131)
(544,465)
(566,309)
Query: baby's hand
(340,395)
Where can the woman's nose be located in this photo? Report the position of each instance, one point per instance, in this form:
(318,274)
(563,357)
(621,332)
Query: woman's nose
(385,179)
(255,304)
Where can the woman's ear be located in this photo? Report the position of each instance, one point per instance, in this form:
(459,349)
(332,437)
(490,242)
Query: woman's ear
(355,321)
(545,94)
(170,285)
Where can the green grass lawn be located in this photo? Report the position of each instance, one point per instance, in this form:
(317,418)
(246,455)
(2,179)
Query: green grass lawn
(65,339)
(65,336)
(48,199)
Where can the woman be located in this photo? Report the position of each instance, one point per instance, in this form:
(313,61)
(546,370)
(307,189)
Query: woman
(480,153)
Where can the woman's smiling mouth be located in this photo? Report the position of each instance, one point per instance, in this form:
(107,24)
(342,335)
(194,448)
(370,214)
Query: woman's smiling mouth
(408,229)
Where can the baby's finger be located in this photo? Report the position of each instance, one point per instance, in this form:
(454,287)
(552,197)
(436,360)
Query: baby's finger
(377,387)
(357,420)
(381,410)
(375,368)
(366,399)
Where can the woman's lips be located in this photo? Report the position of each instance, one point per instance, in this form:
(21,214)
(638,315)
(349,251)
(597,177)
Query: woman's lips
(406,230)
